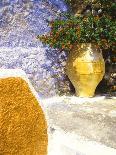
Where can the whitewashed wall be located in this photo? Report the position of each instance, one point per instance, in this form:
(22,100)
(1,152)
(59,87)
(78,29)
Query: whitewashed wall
(20,22)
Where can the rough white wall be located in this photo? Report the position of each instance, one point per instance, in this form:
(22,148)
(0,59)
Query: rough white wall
(20,22)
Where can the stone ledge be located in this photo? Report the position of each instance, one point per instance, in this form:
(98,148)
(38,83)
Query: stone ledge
(65,143)
(87,123)
(77,126)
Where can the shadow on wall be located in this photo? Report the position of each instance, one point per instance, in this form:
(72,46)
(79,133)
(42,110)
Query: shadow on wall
(108,84)
(56,67)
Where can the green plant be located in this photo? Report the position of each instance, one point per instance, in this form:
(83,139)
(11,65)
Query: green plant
(98,25)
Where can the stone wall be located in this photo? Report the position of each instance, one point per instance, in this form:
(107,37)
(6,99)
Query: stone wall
(21,22)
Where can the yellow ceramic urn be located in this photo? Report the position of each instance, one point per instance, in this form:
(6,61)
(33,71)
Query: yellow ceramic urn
(85,68)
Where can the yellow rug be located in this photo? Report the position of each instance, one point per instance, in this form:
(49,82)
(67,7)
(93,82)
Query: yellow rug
(23,128)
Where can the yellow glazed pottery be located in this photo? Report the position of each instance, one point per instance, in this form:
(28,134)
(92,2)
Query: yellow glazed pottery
(85,68)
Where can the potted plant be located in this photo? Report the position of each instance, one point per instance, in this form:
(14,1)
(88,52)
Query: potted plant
(83,37)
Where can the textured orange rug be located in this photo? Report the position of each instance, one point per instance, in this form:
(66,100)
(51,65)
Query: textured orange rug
(23,128)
